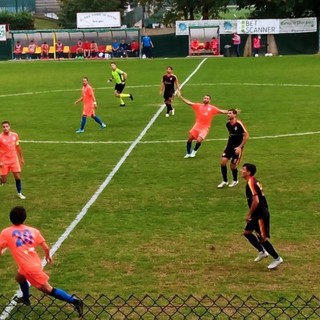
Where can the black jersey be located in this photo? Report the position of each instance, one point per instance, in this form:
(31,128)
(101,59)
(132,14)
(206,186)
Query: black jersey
(169,81)
(236,132)
(253,188)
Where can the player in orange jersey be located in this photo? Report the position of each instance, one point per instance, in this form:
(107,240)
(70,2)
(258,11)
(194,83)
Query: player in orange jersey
(204,115)
(45,48)
(89,106)
(11,157)
(22,241)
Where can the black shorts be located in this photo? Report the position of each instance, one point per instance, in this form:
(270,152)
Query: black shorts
(168,95)
(261,226)
(229,153)
(119,87)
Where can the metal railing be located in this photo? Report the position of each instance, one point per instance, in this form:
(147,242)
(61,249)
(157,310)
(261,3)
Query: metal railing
(162,307)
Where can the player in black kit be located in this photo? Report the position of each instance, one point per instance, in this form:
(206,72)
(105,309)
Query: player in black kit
(238,136)
(258,217)
(168,86)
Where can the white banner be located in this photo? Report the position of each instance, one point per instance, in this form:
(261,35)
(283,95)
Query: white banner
(261,26)
(3,36)
(298,25)
(98,19)
(225,26)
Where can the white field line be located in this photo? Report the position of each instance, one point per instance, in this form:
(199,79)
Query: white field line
(6,313)
(157,85)
(167,141)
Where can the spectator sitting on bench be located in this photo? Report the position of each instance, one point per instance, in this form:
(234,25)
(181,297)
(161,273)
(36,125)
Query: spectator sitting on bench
(31,50)
(123,49)
(94,49)
(17,50)
(115,48)
(214,46)
(45,51)
(59,50)
(134,48)
(195,46)
(86,49)
(79,49)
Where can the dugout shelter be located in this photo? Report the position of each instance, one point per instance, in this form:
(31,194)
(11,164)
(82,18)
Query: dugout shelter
(69,37)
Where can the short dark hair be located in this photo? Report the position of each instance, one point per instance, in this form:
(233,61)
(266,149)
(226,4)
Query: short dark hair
(18,215)
(234,111)
(169,67)
(208,95)
(251,168)
(5,122)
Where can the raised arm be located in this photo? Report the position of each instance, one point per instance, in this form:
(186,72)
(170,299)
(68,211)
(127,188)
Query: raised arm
(184,99)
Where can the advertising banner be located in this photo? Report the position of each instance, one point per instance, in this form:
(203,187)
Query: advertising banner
(261,26)
(98,20)
(3,36)
(225,26)
(298,25)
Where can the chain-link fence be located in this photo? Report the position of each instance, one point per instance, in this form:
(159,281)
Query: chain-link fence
(162,307)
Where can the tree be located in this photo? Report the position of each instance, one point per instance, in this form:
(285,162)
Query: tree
(282,8)
(70,8)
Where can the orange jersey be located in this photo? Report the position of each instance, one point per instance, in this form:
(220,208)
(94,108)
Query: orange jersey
(59,47)
(45,48)
(22,240)
(8,152)
(204,115)
(18,48)
(88,100)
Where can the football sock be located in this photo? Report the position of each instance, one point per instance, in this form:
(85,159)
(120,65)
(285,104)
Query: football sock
(224,173)
(270,249)
(189,143)
(169,108)
(197,146)
(18,185)
(83,122)
(124,95)
(235,174)
(97,119)
(121,100)
(24,286)
(254,241)
(62,295)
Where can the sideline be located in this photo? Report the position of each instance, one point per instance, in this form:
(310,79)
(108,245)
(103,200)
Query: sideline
(7,310)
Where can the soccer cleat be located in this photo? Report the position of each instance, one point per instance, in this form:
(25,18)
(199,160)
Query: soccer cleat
(261,255)
(103,125)
(222,184)
(233,184)
(172,112)
(193,154)
(131,97)
(78,304)
(22,300)
(167,115)
(275,263)
(79,131)
(21,196)
(188,155)
(122,105)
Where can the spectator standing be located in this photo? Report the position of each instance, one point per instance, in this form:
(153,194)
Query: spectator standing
(236,41)
(256,45)
(147,46)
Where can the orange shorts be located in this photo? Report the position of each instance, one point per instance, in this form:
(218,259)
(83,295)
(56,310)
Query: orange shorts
(37,277)
(6,168)
(199,132)
(88,111)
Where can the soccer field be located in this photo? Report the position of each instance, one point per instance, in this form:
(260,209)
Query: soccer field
(150,221)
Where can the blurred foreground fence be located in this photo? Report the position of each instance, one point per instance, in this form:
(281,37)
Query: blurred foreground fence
(161,307)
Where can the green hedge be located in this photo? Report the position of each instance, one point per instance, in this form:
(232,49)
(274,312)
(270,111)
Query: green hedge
(17,21)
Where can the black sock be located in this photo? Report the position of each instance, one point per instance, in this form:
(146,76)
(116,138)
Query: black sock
(169,108)
(270,249)
(224,173)
(189,143)
(235,174)
(197,146)
(254,241)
